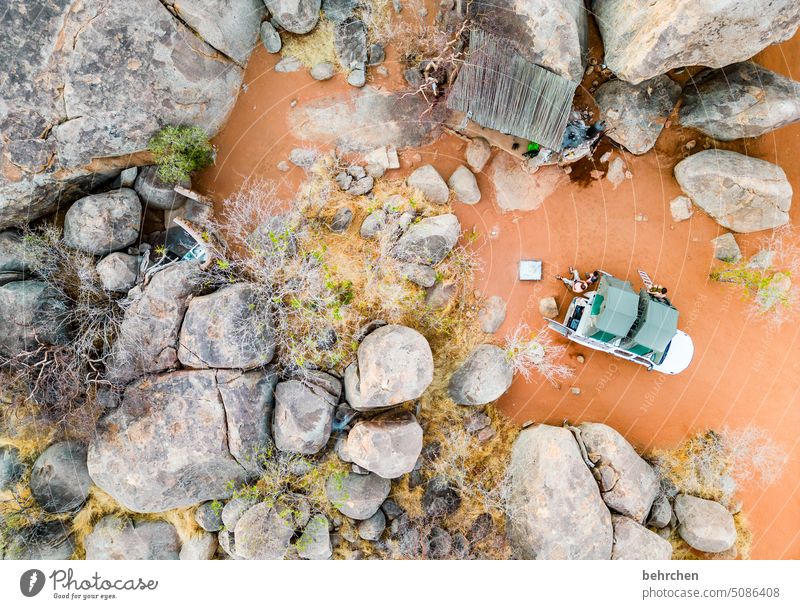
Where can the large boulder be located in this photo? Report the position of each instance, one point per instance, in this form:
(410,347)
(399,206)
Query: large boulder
(220,331)
(555,510)
(59,479)
(550,34)
(428,181)
(705,525)
(388,444)
(166,445)
(118,272)
(350,41)
(429,240)
(628,484)
(120,538)
(302,419)
(15,256)
(295,16)
(230,26)
(634,542)
(263,533)
(99,99)
(31,313)
(635,114)
(643,39)
(148,335)
(248,398)
(155,193)
(394,364)
(199,547)
(103,223)
(738,101)
(357,496)
(741,193)
(315,543)
(484,376)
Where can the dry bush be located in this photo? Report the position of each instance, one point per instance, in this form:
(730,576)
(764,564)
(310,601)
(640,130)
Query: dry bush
(529,353)
(62,378)
(712,464)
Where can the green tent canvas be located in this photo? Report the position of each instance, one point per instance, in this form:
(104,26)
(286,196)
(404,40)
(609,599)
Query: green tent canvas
(617,309)
(657,324)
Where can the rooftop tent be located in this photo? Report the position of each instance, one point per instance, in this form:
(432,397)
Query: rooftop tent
(615,308)
(656,325)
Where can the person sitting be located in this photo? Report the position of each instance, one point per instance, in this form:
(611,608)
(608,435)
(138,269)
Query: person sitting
(574,283)
(593,277)
(657,291)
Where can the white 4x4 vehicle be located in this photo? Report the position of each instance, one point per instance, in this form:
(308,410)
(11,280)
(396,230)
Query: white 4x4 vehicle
(637,327)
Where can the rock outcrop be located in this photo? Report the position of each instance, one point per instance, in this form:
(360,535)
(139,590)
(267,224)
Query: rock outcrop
(484,376)
(555,509)
(705,525)
(148,335)
(464,185)
(635,114)
(315,542)
(102,223)
(220,331)
(738,101)
(645,39)
(263,533)
(388,444)
(357,496)
(199,547)
(295,16)
(430,183)
(59,479)
(118,272)
(741,193)
(229,26)
(302,419)
(120,538)
(167,444)
(31,313)
(99,80)
(634,542)
(394,364)
(429,240)
(157,194)
(628,484)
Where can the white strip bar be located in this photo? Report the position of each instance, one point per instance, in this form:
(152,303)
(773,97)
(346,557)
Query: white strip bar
(406,585)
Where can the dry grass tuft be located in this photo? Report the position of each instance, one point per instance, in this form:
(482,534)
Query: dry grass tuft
(315,47)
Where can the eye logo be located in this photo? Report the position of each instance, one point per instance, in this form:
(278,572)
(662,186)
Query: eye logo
(31,582)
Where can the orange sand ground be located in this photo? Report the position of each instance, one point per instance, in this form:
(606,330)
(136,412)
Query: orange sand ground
(744,373)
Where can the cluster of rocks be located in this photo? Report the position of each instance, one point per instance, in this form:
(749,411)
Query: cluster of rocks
(353,52)
(733,98)
(584,493)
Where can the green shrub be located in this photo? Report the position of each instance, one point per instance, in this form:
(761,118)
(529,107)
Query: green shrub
(178,151)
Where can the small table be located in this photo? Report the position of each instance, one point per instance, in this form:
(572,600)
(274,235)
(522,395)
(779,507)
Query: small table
(530,270)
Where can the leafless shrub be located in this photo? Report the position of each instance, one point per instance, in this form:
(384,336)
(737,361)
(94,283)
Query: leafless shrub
(63,376)
(527,353)
(713,464)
